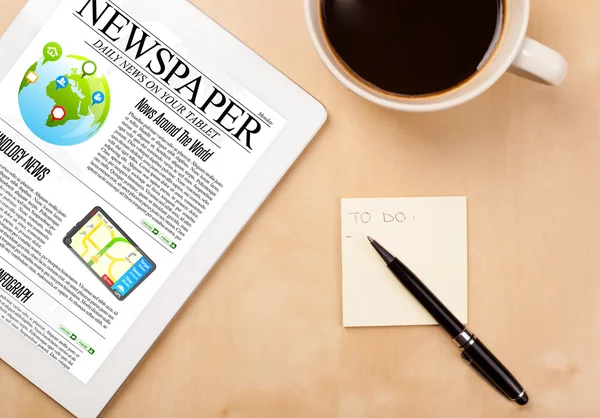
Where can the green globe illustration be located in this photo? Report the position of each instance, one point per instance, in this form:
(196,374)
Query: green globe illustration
(62,98)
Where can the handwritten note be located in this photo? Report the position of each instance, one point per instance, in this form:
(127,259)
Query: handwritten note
(429,235)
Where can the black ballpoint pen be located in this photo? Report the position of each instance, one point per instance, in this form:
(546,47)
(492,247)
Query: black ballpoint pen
(474,351)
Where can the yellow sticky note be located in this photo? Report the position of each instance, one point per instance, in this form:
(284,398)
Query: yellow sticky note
(428,234)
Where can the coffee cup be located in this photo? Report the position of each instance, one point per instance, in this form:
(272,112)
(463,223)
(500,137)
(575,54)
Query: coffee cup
(511,51)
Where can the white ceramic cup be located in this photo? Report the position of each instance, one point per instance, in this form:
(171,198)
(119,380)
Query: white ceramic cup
(514,53)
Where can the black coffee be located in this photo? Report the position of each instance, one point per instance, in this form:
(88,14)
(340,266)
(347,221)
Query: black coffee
(413,47)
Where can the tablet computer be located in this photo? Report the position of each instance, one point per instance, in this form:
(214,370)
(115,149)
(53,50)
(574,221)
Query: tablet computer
(133,150)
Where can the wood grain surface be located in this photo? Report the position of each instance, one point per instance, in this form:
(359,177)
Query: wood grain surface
(262,337)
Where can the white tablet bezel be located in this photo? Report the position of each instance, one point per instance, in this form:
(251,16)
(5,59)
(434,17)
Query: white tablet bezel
(304,117)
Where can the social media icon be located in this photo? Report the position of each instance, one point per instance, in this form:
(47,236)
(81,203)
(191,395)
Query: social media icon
(58,113)
(32,77)
(61,82)
(52,52)
(97,98)
(88,68)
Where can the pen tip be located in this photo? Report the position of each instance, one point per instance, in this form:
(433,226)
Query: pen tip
(370,239)
(523,399)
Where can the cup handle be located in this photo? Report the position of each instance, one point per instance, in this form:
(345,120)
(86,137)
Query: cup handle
(539,63)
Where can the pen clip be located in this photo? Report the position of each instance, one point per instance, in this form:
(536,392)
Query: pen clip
(482,374)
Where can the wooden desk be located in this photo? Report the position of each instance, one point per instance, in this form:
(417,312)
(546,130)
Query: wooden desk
(263,338)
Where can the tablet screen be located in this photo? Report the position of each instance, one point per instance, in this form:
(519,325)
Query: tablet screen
(117,152)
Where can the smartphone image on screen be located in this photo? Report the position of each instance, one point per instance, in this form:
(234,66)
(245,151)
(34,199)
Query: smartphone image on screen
(109,253)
